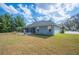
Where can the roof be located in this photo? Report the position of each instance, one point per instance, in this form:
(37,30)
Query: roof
(40,23)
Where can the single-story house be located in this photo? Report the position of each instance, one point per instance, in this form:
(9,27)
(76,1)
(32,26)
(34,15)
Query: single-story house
(43,28)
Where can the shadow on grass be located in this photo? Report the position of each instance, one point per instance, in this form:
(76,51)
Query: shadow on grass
(40,36)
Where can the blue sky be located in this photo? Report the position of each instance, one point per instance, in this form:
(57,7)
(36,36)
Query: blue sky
(40,11)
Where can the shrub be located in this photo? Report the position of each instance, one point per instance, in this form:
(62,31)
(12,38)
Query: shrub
(19,29)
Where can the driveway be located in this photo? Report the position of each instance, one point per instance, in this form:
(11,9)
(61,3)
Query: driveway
(71,32)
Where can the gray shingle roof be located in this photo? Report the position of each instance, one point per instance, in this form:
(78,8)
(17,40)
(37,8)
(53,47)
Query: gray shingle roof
(40,23)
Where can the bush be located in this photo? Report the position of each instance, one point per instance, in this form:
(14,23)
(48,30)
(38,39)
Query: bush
(78,30)
(62,29)
(19,29)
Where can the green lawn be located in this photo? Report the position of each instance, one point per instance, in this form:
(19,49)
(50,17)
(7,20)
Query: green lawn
(13,43)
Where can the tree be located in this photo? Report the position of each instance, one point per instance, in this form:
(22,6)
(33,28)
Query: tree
(19,23)
(5,23)
(9,23)
(72,24)
(62,29)
(1,23)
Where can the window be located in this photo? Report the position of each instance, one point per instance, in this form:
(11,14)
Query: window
(49,28)
(37,29)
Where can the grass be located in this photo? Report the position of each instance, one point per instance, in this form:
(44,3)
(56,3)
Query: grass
(13,43)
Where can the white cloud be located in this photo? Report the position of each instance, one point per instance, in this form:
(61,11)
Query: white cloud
(25,9)
(40,18)
(42,11)
(13,9)
(54,10)
(70,7)
(9,9)
(26,13)
(45,18)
